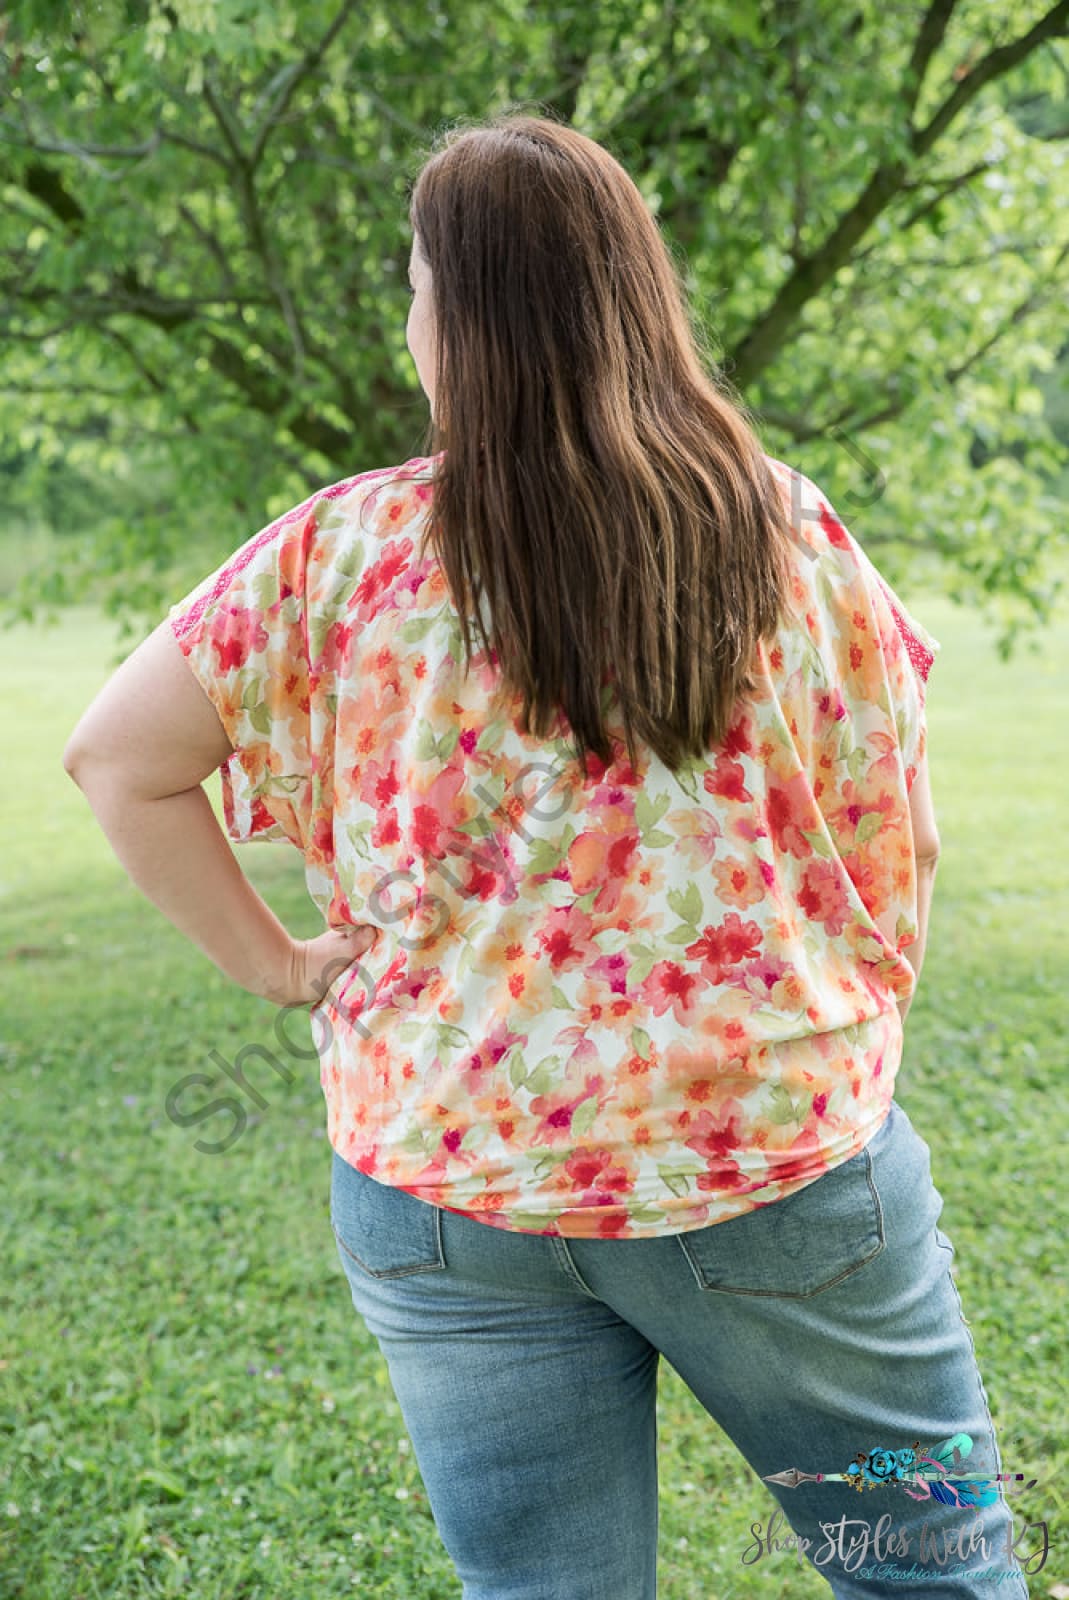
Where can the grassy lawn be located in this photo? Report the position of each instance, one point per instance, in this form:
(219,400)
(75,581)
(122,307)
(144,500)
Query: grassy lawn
(189,1403)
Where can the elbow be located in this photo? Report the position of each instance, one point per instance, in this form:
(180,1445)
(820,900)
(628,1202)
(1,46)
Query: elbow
(76,758)
(71,759)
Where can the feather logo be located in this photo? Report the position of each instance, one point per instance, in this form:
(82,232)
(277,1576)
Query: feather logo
(934,1473)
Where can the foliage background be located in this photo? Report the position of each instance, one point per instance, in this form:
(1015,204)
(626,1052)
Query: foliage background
(204,233)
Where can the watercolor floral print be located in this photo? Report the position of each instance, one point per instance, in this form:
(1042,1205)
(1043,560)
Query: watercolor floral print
(613,1003)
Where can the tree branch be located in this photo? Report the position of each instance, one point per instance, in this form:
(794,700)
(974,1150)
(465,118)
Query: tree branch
(261,391)
(994,65)
(169,136)
(64,389)
(930,36)
(804,428)
(943,187)
(1037,297)
(797,90)
(284,84)
(74,147)
(249,206)
(212,245)
(761,343)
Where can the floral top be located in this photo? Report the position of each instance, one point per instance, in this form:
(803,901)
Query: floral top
(614,1004)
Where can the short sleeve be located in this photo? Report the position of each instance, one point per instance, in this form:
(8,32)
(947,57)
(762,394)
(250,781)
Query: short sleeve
(906,647)
(243,631)
(909,652)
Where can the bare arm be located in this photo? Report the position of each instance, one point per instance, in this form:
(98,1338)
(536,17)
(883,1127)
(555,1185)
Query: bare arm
(139,754)
(926,851)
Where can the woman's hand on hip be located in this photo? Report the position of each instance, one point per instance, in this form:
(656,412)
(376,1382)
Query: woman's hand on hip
(315,965)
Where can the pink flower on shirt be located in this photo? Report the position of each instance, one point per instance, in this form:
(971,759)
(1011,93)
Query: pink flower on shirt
(822,898)
(237,632)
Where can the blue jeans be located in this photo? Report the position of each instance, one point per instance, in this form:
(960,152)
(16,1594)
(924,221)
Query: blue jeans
(812,1329)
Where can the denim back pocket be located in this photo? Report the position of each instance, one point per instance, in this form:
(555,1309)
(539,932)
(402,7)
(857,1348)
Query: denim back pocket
(385,1231)
(798,1246)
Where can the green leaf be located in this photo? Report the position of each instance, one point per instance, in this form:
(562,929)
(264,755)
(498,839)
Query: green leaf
(688,782)
(686,903)
(448,742)
(642,965)
(265,590)
(491,734)
(857,762)
(416,628)
(649,810)
(545,1076)
(583,1116)
(260,719)
(466,961)
(676,1182)
(640,1043)
(781,1108)
(547,1161)
(870,824)
(426,746)
(545,857)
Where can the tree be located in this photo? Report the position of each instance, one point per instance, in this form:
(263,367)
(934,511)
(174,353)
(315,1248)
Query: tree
(204,232)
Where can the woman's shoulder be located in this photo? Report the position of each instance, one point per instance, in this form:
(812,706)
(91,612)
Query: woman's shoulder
(817,526)
(841,581)
(358,515)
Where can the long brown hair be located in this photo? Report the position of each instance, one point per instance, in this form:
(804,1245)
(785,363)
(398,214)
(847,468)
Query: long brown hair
(606,492)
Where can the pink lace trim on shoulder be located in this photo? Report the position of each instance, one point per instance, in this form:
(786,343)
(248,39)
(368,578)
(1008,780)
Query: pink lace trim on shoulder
(187,621)
(916,649)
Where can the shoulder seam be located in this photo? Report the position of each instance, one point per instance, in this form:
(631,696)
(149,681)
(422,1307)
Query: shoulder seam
(184,624)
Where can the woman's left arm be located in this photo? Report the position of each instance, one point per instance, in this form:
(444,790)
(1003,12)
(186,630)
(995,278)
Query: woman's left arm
(139,754)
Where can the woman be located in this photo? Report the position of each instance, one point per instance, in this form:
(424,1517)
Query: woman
(625,909)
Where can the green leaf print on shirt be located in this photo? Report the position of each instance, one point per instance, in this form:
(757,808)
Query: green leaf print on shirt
(640,1043)
(584,1115)
(545,1076)
(687,905)
(260,719)
(781,1108)
(648,811)
(857,762)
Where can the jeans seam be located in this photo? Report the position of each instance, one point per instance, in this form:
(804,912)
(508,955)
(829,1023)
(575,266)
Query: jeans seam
(564,1258)
(990,1421)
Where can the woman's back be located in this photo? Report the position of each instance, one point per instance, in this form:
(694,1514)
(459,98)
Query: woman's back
(616,1005)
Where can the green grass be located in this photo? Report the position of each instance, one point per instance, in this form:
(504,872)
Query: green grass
(142,1279)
